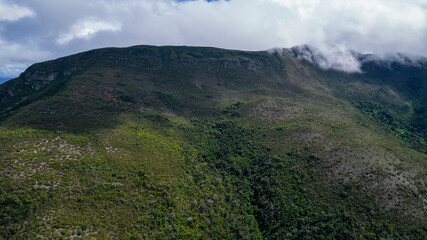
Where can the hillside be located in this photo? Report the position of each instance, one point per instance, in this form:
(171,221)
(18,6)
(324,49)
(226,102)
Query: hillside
(2,80)
(204,143)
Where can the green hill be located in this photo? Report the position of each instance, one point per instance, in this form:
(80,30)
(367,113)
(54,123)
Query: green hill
(203,143)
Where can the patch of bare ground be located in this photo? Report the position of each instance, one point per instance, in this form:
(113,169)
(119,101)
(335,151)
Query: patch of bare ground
(44,157)
(276,109)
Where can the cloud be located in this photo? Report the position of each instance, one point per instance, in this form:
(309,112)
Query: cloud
(12,12)
(86,29)
(15,57)
(334,57)
(367,26)
(11,70)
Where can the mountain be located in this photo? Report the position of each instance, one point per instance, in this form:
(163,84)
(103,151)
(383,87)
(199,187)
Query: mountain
(2,80)
(170,142)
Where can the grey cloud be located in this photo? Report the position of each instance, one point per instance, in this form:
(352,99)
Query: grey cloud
(60,28)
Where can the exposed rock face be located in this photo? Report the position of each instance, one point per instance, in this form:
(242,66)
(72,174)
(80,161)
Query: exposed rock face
(39,79)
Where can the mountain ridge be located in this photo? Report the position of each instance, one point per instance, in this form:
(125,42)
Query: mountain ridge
(193,142)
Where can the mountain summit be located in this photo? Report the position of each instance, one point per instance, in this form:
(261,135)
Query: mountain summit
(171,142)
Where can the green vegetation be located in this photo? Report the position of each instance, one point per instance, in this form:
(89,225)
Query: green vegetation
(204,143)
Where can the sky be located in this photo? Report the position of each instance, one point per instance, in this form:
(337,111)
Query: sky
(38,30)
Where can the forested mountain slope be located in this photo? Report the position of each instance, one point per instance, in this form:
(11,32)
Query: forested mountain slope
(203,143)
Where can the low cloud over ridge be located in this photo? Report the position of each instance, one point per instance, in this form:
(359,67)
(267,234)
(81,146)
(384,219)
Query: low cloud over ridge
(328,57)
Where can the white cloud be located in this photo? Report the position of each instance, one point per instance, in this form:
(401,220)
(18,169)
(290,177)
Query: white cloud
(335,57)
(304,8)
(14,58)
(11,70)
(86,29)
(368,26)
(364,25)
(12,12)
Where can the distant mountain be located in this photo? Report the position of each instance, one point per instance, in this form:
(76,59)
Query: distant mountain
(203,143)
